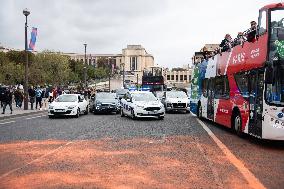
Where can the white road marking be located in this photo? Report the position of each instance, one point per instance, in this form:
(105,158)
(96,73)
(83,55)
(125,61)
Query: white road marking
(22,117)
(249,176)
(31,162)
(35,117)
(7,122)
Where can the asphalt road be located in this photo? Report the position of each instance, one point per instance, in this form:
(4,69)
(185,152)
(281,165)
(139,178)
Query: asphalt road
(107,151)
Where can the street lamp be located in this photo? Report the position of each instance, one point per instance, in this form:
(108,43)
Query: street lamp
(123,76)
(85,67)
(110,69)
(26,12)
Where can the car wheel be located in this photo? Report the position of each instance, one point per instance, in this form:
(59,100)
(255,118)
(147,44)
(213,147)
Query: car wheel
(133,114)
(78,113)
(87,110)
(122,113)
(161,117)
(50,116)
(237,124)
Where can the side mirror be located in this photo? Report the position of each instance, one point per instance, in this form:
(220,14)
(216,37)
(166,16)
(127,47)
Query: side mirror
(128,100)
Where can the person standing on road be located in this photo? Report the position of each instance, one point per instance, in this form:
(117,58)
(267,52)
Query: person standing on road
(32,97)
(38,93)
(7,100)
(18,98)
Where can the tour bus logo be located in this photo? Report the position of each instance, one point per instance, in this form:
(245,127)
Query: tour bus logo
(238,58)
(254,53)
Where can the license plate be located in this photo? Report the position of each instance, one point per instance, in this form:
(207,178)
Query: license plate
(60,110)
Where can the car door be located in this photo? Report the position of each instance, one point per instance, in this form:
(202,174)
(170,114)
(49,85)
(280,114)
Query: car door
(128,104)
(81,103)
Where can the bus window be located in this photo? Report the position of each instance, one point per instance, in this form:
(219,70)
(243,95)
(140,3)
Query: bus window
(242,83)
(275,91)
(221,89)
(262,23)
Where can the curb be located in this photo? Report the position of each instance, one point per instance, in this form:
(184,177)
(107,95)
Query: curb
(20,115)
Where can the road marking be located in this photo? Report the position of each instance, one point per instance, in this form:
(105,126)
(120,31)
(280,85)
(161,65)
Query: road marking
(7,122)
(22,116)
(35,117)
(249,176)
(37,159)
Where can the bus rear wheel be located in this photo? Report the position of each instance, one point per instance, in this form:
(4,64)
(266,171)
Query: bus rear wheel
(237,124)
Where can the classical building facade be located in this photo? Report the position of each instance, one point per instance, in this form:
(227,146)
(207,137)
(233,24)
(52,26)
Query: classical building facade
(178,77)
(134,59)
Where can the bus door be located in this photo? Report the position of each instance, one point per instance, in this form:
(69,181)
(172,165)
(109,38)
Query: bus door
(256,80)
(210,104)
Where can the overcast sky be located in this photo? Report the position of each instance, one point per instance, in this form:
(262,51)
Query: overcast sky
(171,30)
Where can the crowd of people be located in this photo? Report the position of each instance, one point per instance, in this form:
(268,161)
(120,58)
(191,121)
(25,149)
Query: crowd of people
(38,96)
(228,43)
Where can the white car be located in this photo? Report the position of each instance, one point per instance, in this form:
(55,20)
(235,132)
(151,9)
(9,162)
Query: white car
(140,104)
(68,104)
(176,101)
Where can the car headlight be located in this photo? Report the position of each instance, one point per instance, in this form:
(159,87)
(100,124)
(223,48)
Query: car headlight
(140,106)
(169,104)
(50,107)
(71,107)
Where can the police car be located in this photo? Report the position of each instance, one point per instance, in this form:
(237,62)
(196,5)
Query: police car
(138,104)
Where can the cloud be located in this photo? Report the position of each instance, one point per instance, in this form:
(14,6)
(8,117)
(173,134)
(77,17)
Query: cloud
(171,30)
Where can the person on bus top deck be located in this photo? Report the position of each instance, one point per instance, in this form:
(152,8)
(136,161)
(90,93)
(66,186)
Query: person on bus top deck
(226,43)
(251,35)
(240,39)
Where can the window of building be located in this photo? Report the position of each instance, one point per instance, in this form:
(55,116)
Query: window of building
(189,77)
(90,61)
(172,77)
(168,77)
(181,77)
(185,77)
(133,63)
(176,77)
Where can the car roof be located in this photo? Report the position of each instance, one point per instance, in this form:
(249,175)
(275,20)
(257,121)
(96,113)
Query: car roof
(140,92)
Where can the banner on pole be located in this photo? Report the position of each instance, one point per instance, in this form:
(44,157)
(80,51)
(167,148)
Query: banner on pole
(33,39)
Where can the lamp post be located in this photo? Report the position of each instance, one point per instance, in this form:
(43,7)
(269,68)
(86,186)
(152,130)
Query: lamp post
(26,12)
(110,69)
(123,75)
(85,67)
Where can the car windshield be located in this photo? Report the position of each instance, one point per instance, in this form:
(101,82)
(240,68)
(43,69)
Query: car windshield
(144,97)
(67,98)
(122,91)
(176,94)
(105,96)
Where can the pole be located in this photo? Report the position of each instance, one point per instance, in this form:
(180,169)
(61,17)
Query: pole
(85,67)
(137,82)
(26,83)
(123,76)
(109,74)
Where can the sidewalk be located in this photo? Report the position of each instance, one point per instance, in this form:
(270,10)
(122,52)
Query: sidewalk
(17,112)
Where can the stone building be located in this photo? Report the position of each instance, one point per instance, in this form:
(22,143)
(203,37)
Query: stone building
(178,77)
(134,59)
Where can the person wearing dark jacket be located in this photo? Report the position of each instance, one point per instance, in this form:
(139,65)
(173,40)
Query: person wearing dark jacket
(251,36)
(32,95)
(226,43)
(18,98)
(7,100)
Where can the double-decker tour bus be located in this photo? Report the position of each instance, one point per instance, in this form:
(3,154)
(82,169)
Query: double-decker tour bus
(153,79)
(243,88)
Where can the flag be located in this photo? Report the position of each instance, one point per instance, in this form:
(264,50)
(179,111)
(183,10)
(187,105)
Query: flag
(33,39)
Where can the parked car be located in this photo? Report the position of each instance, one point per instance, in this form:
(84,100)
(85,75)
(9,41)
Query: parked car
(104,102)
(68,105)
(120,93)
(138,104)
(176,101)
